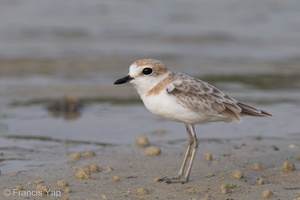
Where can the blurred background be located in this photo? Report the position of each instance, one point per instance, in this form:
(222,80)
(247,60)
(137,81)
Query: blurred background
(59,59)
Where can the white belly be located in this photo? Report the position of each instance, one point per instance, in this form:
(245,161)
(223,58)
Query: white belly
(166,106)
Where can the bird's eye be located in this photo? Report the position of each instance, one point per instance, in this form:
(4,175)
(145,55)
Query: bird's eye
(147,71)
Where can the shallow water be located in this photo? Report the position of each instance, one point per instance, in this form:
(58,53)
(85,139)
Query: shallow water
(49,49)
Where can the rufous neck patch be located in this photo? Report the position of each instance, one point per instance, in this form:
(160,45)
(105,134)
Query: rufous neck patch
(159,87)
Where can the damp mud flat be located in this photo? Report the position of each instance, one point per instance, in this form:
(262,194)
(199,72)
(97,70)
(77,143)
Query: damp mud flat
(125,172)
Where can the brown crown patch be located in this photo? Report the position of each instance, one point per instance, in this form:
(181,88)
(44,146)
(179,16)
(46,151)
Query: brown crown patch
(158,67)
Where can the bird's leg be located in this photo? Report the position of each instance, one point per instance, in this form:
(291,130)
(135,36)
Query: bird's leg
(188,151)
(179,178)
(195,148)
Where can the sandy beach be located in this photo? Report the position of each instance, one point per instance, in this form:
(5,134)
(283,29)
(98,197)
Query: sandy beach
(123,170)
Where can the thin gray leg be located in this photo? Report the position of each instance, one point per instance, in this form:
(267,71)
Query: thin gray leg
(194,151)
(193,143)
(187,153)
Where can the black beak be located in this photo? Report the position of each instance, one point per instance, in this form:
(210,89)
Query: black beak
(123,80)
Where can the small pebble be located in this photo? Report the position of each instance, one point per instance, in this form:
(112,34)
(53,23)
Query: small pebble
(256,166)
(75,156)
(267,194)
(142,141)
(208,156)
(89,154)
(116,179)
(68,190)
(19,187)
(192,191)
(221,176)
(84,168)
(62,183)
(210,174)
(143,191)
(237,174)
(81,174)
(109,169)
(103,197)
(14,174)
(94,168)
(38,181)
(152,151)
(288,166)
(260,181)
(223,186)
(224,189)
(42,188)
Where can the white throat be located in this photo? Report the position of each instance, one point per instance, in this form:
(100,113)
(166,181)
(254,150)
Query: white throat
(145,84)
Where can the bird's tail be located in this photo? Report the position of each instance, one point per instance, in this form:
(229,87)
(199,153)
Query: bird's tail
(252,111)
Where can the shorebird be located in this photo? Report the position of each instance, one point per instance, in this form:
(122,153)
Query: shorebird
(181,98)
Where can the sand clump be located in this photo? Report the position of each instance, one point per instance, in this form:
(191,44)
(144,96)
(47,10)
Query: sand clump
(109,169)
(142,141)
(210,174)
(88,168)
(156,180)
(19,187)
(256,166)
(89,154)
(38,181)
(152,151)
(267,194)
(192,191)
(83,174)
(288,166)
(260,181)
(237,174)
(116,179)
(75,156)
(68,190)
(224,189)
(62,183)
(42,188)
(208,156)
(78,156)
(143,191)
(94,168)
(13,173)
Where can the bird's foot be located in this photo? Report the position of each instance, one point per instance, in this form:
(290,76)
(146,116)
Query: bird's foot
(178,179)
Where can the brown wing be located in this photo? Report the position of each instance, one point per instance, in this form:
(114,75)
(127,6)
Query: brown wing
(204,98)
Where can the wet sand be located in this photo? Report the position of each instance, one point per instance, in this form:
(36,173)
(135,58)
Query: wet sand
(135,170)
(40,157)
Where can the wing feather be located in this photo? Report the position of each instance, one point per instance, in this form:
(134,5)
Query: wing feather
(204,98)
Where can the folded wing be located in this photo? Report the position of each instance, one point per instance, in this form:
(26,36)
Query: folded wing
(204,98)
